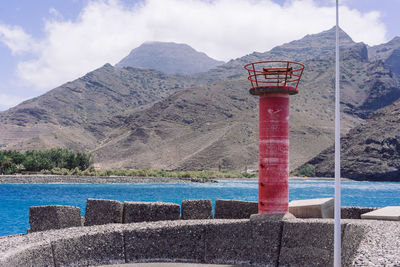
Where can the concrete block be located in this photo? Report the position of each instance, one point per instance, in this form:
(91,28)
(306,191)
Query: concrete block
(353,236)
(90,248)
(165,243)
(43,218)
(36,254)
(229,242)
(312,208)
(103,211)
(354,212)
(150,211)
(306,242)
(196,209)
(243,242)
(234,209)
(378,243)
(266,238)
(389,213)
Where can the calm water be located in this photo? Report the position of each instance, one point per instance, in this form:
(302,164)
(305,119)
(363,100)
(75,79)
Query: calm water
(15,199)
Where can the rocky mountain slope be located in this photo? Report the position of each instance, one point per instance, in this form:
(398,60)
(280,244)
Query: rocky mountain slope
(226,135)
(384,51)
(369,151)
(169,58)
(368,84)
(136,118)
(210,126)
(97,96)
(63,117)
(319,46)
(389,53)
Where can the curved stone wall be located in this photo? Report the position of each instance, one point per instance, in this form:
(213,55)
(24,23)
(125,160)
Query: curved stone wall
(294,242)
(105,211)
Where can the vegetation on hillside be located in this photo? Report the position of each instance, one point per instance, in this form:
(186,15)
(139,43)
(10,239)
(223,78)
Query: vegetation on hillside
(67,162)
(305,170)
(205,174)
(12,162)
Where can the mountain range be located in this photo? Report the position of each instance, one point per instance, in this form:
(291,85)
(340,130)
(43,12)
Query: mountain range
(134,116)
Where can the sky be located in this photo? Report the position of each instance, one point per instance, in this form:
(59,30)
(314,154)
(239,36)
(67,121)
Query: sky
(46,43)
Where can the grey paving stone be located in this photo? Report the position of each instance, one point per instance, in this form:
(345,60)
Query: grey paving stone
(172,264)
(43,218)
(150,211)
(103,211)
(196,209)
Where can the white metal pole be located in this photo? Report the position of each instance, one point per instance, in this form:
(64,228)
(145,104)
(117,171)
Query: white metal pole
(337,231)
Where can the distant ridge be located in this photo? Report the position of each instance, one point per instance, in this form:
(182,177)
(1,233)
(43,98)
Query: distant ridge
(169,58)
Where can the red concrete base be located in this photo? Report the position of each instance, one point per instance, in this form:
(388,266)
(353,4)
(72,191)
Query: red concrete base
(273,153)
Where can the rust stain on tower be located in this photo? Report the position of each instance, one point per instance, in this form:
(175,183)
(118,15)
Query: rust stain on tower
(273,82)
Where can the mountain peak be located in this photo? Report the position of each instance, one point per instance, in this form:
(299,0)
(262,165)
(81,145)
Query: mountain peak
(325,38)
(395,40)
(319,45)
(384,51)
(332,31)
(169,57)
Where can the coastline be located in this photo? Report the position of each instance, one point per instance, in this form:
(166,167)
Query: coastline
(67,179)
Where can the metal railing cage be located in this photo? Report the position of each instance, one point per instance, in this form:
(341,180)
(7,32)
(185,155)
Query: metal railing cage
(274,76)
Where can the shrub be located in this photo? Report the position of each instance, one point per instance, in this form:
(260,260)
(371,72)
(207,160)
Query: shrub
(38,160)
(46,172)
(306,170)
(248,175)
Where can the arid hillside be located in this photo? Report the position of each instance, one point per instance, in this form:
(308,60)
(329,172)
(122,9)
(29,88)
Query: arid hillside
(142,118)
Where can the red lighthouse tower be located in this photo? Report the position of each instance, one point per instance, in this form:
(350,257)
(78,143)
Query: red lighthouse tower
(273,82)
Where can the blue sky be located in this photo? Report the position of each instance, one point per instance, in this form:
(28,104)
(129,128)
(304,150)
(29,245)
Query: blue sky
(45,43)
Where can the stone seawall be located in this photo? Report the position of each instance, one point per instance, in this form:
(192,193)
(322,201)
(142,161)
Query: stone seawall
(294,242)
(105,211)
(117,232)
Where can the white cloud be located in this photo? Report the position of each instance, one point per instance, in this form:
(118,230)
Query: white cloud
(106,31)
(15,38)
(8,101)
(56,15)
(366,27)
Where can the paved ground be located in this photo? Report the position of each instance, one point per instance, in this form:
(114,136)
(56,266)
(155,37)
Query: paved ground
(171,264)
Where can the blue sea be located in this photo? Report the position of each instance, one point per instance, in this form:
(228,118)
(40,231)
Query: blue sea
(15,199)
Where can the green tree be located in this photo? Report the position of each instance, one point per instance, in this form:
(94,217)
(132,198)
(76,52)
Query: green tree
(306,170)
(7,166)
(35,160)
